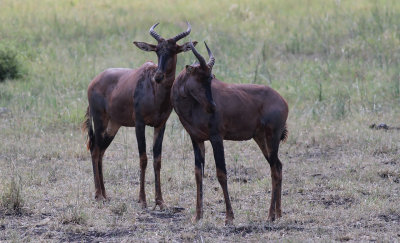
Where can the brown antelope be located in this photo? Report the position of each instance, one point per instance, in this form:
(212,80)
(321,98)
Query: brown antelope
(133,98)
(213,110)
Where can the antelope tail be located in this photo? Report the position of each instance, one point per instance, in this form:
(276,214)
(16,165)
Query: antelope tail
(285,134)
(87,127)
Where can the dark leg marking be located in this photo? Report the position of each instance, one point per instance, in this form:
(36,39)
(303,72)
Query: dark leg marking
(102,144)
(141,140)
(199,152)
(99,139)
(276,175)
(140,137)
(95,153)
(269,145)
(278,210)
(157,149)
(218,148)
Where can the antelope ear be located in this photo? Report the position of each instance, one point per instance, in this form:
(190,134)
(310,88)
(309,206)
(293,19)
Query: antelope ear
(189,68)
(186,47)
(144,46)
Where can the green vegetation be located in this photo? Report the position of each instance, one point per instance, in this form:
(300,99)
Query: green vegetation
(10,65)
(74,216)
(336,62)
(328,59)
(11,199)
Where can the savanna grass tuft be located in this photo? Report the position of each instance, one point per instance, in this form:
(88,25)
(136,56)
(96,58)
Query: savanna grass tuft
(119,209)
(12,200)
(74,215)
(11,66)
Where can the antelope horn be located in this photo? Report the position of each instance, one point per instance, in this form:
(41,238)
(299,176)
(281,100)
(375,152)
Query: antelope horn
(183,34)
(199,57)
(154,33)
(211,61)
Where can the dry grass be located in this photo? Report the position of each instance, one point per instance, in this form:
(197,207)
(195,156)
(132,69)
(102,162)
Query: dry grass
(341,182)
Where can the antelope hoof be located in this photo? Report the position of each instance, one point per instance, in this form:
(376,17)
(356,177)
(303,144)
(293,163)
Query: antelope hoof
(99,197)
(143,203)
(278,214)
(229,220)
(196,219)
(161,204)
(271,217)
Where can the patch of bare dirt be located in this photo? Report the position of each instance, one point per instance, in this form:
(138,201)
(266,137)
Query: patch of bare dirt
(243,230)
(40,226)
(384,150)
(390,161)
(314,152)
(98,236)
(389,175)
(334,201)
(390,217)
(344,238)
(244,174)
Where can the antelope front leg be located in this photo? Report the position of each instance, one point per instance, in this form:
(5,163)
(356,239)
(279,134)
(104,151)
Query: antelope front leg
(218,148)
(199,152)
(157,148)
(141,140)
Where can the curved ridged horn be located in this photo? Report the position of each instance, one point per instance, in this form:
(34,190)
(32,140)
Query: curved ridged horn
(183,34)
(154,34)
(211,61)
(199,57)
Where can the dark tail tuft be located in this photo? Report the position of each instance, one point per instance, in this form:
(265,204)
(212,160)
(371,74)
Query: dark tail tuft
(285,134)
(87,127)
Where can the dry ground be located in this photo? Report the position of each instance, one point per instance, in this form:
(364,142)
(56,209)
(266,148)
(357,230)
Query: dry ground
(341,182)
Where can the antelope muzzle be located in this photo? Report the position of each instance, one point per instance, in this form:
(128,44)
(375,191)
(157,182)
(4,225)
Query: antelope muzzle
(158,76)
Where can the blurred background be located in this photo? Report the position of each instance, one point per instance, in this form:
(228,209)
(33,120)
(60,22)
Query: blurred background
(329,59)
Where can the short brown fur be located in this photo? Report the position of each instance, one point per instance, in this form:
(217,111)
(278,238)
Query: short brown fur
(133,98)
(210,109)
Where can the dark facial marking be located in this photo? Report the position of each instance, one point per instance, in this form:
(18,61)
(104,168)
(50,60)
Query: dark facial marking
(164,52)
(162,61)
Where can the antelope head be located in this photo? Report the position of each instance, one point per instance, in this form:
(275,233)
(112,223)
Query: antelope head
(166,50)
(200,78)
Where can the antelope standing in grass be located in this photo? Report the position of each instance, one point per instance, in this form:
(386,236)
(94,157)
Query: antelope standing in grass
(133,98)
(213,110)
